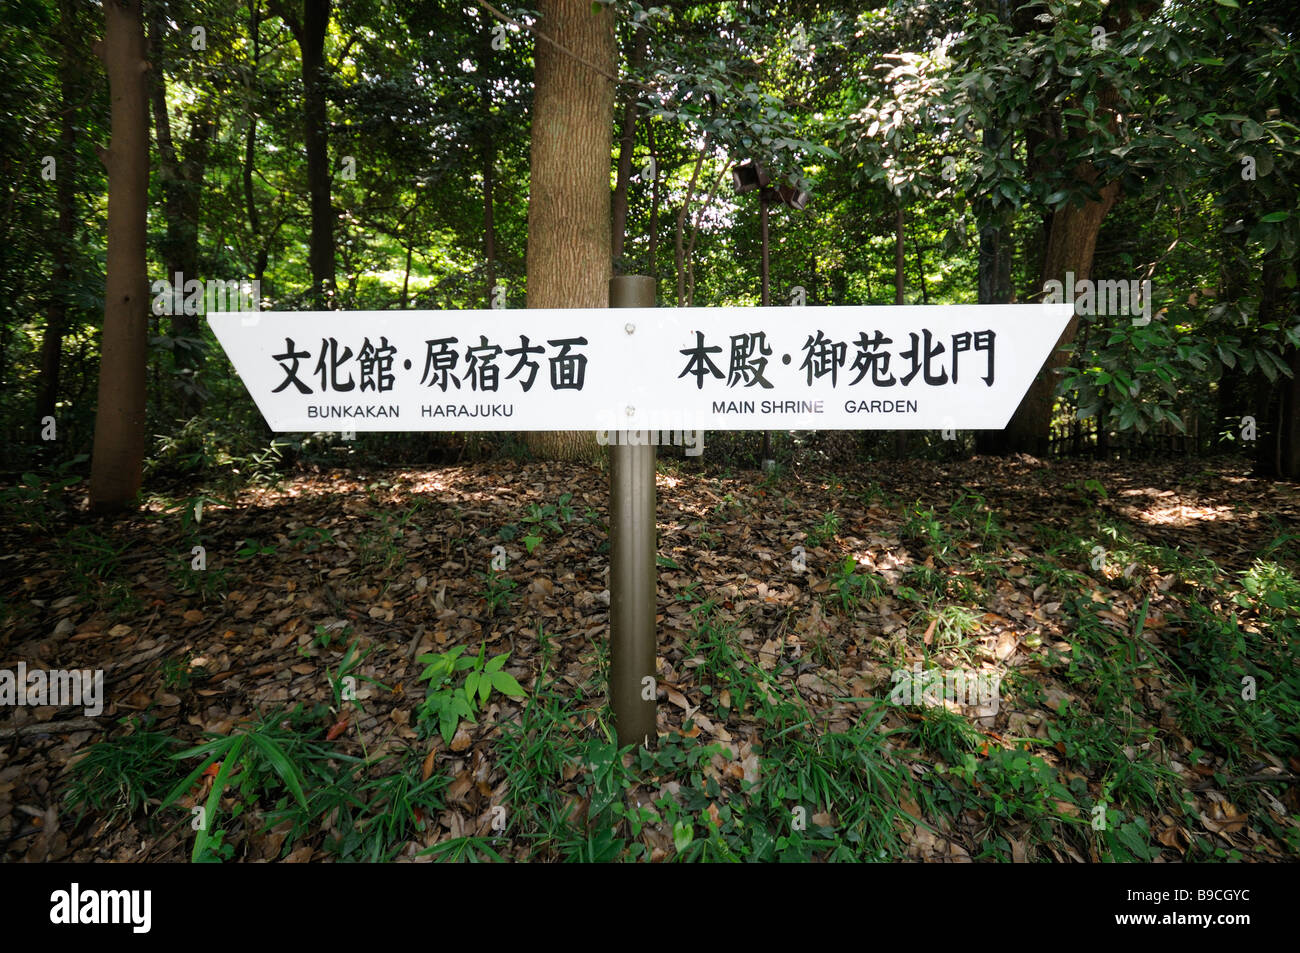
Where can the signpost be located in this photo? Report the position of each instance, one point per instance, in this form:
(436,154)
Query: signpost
(639,375)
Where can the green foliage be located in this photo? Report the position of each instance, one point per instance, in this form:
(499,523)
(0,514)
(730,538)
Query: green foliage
(250,547)
(180,673)
(94,565)
(446,703)
(312,538)
(38,501)
(851,587)
(374,817)
(924,527)
(247,759)
(343,679)
(543,518)
(325,635)
(382,545)
(825,530)
(123,776)
(947,735)
(487,675)
(952,625)
(1014,785)
(498,590)
(1272,589)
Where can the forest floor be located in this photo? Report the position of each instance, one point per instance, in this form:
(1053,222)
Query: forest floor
(1125,635)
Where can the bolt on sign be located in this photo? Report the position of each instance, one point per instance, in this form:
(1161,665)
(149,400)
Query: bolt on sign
(792,368)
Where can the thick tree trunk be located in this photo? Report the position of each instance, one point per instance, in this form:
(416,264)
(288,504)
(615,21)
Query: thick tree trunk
(568,204)
(116,467)
(994,251)
(1071,242)
(47,390)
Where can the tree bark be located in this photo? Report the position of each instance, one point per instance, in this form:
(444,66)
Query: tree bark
(309,31)
(900,285)
(569,195)
(695,234)
(47,392)
(679,232)
(1279,444)
(1071,241)
(250,152)
(118,456)
(900,237)
(182,170)
(1288,431)
(652,253)
(487,158)
(627,145)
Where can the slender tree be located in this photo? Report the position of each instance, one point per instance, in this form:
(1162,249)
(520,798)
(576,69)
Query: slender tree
(118,458)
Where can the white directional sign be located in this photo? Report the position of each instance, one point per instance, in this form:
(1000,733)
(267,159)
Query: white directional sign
(809,368)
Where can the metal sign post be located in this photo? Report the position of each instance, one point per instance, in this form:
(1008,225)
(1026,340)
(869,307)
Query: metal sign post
(633,543)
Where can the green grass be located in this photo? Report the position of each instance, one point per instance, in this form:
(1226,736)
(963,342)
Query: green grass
(124,776)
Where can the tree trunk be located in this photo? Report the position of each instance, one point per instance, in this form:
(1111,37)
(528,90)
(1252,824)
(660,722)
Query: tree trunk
(652,254)
(488,159)
(309,31)
(900,238)
(679,232)
(695,234)
(627,145)
(568,204)
(1071,240)
(994,288)
(994,254)
(1278,454)
(250,141)
(489,225)
(1070,245)
(116,467)
(1288,431)
(920,269)
(900,285)
(182,171)
(47,391)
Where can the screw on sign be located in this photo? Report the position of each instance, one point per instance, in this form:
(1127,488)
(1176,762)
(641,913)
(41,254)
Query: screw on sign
(684,369)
